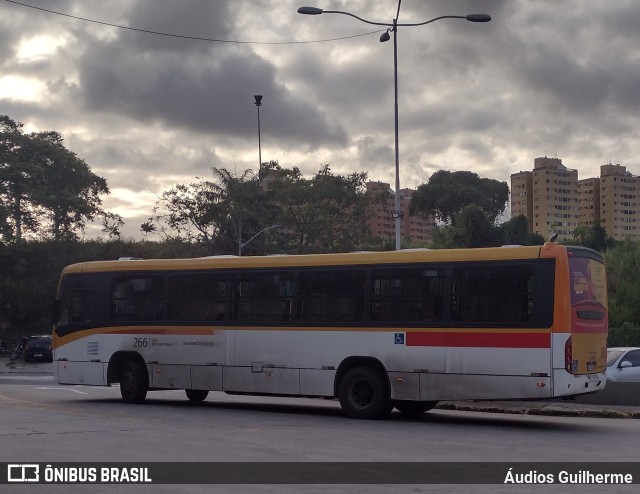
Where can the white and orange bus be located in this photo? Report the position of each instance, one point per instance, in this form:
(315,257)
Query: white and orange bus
(377,330)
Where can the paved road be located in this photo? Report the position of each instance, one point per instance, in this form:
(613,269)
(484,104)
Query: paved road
(43,422)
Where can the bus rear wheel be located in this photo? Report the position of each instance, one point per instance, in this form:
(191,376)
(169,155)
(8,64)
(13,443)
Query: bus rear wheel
(414,408)
(197,395)
(134,381)
(364,394)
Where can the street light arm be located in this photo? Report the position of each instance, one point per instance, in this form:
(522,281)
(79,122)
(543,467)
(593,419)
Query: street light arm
(242,244)
(470,17)
(317,11)
(433,20)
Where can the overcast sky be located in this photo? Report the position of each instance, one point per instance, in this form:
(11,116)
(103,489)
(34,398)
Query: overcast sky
(558,78)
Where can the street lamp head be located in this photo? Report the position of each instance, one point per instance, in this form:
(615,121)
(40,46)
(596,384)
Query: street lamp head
(309,10)
(478,18)
(258,98)
(385,36)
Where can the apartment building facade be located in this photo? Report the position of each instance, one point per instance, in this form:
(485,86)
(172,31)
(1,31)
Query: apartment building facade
(619,211)
(381,223)
(553,199)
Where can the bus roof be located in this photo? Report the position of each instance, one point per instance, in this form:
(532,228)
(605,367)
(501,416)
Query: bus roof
(311,260)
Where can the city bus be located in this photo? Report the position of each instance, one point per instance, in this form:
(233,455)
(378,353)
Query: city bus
(376,330)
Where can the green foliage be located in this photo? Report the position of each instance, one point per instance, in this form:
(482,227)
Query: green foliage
(595,237)
(472,228)
(45,189)
(323,214)
(625,336)
(326,213)
(623,275)
(516,232)
(448,193)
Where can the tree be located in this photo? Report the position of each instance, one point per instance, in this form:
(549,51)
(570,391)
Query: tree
(472,228)
(323,214)
(45,189)
(221,213)
(447,193)
(19,177)
(623,266)
(70,191)
(516,232)
(326,213)
(595,237)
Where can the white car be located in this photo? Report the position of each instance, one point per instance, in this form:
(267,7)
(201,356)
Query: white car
(623,364)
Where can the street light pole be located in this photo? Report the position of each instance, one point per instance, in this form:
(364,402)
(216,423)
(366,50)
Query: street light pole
(258,103)
(397,214)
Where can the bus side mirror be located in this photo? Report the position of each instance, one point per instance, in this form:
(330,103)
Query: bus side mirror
(625,364)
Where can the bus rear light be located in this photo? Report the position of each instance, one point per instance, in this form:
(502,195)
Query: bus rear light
(568,356)
(541,384)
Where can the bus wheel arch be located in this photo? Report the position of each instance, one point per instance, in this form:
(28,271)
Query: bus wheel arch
(196,395)
(130,370)
(362,386)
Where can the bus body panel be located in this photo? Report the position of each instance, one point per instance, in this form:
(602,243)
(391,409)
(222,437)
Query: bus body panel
(85,373)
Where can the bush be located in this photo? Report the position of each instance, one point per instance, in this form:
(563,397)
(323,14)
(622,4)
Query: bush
(624,336)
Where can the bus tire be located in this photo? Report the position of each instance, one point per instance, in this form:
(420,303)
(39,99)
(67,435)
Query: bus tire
(364,394)
(134,381)
(414,408)
(197,395)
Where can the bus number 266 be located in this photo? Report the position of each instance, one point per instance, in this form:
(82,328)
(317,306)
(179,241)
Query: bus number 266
(140,342)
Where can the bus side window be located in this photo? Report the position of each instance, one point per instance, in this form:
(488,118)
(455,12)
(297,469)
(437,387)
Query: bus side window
(138,298)
(265,297)
(496,294)
(407,295)
(198,297)
(331,296)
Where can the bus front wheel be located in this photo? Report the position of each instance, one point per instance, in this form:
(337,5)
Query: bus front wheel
(134,381)
(364,394)
(197,395)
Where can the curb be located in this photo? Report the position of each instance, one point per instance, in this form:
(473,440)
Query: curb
(542,410)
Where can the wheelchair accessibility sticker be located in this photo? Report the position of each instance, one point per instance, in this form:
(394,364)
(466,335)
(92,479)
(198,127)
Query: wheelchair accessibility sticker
(399,339)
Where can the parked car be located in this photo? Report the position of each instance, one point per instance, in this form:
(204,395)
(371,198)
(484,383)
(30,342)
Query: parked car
(623,364)
(38,348)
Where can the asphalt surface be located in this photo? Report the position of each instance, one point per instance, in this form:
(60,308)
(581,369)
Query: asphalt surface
(565,408)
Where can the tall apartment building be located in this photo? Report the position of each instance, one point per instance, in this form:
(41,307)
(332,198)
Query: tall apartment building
(619,211)
(588,201)
(554,200)
(381,223)
(522,196)
(549,195)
